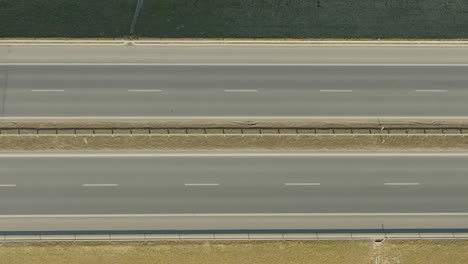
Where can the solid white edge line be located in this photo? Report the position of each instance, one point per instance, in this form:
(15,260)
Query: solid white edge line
(233,135)
(99,185)
(234,154)
(169,42)
(413,118)
(244,44)
(7,185)
(232,215)
(302,184)
(402,183)
(243,64)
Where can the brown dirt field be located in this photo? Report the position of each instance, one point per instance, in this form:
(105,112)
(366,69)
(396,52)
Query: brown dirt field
(226,252)
(234,143)
(258,252)
(423,252)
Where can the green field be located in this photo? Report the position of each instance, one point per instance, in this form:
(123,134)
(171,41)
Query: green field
(407,19)
(65,18)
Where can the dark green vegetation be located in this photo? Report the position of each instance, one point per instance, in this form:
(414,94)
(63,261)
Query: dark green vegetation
(438,19)
(65,18)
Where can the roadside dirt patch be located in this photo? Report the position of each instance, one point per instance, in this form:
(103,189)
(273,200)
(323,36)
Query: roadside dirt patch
(217,252)
(424,252)
(233,143)
(226,252)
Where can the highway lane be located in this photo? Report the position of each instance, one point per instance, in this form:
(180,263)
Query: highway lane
(223,91)
(232,191)
(232,184)
(233,81)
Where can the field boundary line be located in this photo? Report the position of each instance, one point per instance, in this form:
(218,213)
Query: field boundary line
(229,135)
(234,42)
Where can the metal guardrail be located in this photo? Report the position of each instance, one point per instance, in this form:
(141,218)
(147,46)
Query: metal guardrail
(230,131)
(378,237)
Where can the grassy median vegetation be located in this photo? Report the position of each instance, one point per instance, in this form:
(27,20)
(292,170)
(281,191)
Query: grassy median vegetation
(411,19)
(232,143)
(227,252)
(377,142)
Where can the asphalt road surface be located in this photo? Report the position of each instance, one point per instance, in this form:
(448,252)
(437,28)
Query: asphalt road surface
(307,189)
(213,82)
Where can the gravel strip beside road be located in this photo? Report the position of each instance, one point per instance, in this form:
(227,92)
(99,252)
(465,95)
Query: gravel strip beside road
(234,143)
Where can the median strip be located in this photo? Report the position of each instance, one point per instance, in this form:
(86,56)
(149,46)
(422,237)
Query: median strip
(135,136)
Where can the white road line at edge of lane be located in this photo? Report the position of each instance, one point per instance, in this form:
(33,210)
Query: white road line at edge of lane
(250,42)
(234,118)
(7,185)
(232,215)
(227,154)
(243,64)
(13,40)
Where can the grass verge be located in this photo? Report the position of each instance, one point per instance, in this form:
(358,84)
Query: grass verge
(271,252)
(233,143)
(226,252)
